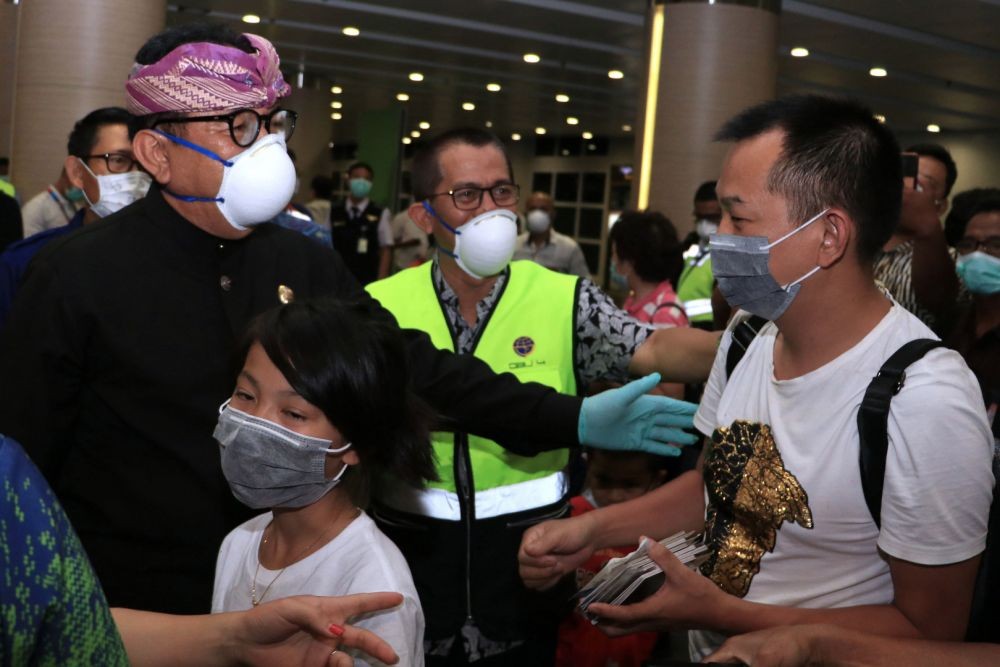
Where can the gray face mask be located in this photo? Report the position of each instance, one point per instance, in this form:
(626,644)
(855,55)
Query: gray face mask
(740,266)
(268,465)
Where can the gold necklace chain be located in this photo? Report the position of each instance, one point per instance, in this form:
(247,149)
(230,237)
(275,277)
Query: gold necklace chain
(254,600)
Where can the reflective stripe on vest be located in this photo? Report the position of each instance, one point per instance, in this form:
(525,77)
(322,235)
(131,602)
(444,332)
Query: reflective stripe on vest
(444,505)
(696,307)
(530,334)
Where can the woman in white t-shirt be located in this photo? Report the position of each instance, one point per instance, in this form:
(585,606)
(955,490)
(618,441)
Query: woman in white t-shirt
(323,402)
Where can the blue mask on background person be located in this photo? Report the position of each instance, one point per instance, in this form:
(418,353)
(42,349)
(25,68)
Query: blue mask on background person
(360,187)
(980,272)
(617,279)
(268,465)
(740,265)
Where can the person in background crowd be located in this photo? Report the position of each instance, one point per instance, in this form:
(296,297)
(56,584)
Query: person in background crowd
(410,245)
(323,405)
(811,189)
(544,245)
(360,228)
(52,207)
(298,218)
(6,187)
(321,189)
(460,535)
(121,344)
(915,265)
(962,206)
(10,221)
(694,286)
(612,477)
(53,612)
(100,164)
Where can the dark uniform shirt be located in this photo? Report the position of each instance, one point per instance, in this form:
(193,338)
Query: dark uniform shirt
(356,238)
(121,346)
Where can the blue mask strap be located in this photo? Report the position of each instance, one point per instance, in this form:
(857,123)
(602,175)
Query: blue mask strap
(430,209)
(204,151)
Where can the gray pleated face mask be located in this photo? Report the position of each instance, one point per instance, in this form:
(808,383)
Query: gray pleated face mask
(740,266)
(268,465)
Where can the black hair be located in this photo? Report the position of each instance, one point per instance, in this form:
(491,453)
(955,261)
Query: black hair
(322,186)
(349,360)
(963,207)
(989,204)
(941,154)
(649,241)
(835,153)
(425,171)
(705,192)
(4,161)
(84,134)
(162,43)
(361,165)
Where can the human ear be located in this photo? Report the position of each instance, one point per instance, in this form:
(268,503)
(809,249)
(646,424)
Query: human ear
(421,217)
(150,150)
(838,233)
(75,171)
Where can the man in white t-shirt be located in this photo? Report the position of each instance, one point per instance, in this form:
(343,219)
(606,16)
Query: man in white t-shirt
(810,190)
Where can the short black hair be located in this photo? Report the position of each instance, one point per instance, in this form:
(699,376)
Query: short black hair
(4,161)
(322,186)
(941,154)
(649,241)
(705,192)
(361,165)
(835,153)
(989,204)
(425,171)
(84,134)
(350,360)
(162,43)
(963,207)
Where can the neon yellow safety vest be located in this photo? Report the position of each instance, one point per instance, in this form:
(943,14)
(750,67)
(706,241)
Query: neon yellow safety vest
(694,287)
(529,333)
(7,188)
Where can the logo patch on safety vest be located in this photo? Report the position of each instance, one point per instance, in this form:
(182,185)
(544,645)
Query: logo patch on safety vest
(524,346)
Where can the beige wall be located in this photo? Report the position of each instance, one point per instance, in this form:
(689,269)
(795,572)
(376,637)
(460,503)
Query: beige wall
(8,66)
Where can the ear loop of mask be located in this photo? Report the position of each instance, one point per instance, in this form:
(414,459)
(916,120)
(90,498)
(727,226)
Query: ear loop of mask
(204,151)
(792,233)
(430,209)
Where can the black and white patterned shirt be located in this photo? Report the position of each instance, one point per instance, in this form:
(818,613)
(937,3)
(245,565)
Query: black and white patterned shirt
(606,337)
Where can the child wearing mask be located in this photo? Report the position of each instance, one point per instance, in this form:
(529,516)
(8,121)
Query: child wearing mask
(612,477)
(323,403)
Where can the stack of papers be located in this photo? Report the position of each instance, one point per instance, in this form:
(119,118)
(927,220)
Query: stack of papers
(635,577)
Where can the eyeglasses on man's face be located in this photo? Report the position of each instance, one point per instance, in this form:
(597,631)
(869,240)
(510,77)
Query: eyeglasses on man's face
(116,163)
(245,124)
(469,198)
(990,245)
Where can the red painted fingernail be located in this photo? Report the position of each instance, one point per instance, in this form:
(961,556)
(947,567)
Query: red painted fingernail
(336,629)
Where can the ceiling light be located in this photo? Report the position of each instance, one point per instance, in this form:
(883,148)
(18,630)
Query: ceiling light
(572,120)
(562,97)
(402,97)
(251,18)
(414,133)
(933,128)
(336,105)
(531,58)
(424,125)
(336,90)
(616,74)
(493,87)
(878,71)
(416,76)
(587,135)
(626,128)
(336,115)
(407,140)
(880,118)
(489,123)
(799,52)
(351,31)
(539,130)
(468,106)
(515,137)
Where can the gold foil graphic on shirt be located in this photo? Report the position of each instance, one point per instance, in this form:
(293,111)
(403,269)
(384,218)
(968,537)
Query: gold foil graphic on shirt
(750,494)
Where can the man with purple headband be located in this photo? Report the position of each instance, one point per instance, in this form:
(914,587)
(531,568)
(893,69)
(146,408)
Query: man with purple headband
(122,342)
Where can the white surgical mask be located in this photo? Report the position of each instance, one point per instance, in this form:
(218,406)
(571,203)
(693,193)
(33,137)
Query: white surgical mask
(257,184)
(485,244)
(116,191)
(705,228)
(538,221)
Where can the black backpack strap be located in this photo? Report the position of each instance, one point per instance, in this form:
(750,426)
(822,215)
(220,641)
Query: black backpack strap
(873,419)
(743,335)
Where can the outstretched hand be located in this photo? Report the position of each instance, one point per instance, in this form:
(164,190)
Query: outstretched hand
(553,549)
(627,418)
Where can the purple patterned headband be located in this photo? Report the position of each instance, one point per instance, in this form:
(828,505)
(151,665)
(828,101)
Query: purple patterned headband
(203,76)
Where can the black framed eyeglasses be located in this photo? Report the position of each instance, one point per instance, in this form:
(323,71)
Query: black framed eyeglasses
(968,244)
(245,124)
(117,163)
(469,198)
